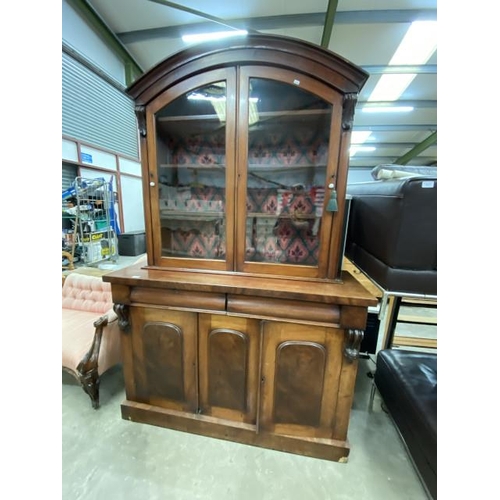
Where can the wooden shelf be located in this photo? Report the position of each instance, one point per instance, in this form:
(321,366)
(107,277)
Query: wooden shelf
(262,167)
(422,320)
(188,215)
(189,125)
(297,217)
(405,341)
(252,167)
(195,166)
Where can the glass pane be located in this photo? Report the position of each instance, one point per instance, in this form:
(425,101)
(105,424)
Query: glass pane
(289,131)
(191,155)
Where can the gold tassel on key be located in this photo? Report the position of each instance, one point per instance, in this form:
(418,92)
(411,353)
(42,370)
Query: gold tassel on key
(332,205)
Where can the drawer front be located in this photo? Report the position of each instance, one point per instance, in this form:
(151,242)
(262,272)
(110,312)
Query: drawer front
(188,299)
(282,308)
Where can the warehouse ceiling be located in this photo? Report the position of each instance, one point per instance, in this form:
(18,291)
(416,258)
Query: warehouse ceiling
(366,32)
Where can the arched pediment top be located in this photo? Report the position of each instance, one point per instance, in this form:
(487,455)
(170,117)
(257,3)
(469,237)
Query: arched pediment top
(254,49)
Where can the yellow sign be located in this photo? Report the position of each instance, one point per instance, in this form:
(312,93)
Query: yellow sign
(93,237)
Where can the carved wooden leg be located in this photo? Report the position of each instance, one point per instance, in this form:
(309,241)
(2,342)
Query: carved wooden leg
(88,366)
(90,383)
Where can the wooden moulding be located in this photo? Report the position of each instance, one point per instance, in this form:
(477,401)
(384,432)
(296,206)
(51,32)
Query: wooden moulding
(327,449)
(179,298)
(257,48)
(348,293)
(281,308)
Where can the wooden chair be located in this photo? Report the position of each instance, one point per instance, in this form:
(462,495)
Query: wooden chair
(90,332)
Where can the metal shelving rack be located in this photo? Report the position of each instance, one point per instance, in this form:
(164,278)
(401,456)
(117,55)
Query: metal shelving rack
(95,220)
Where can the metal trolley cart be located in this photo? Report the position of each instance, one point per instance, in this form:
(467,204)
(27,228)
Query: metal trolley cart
(94,229)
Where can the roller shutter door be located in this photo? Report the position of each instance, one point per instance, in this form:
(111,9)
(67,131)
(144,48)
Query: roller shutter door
(69,172)
(95,112)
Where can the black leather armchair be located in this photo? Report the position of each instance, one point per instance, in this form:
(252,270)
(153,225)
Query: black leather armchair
(407,383)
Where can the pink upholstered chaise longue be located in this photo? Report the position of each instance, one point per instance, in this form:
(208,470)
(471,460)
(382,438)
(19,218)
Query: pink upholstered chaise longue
(90,332)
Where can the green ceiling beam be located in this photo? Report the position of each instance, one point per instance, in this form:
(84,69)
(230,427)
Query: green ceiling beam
(195,12)
(132,68)
(430,141)
(328,26)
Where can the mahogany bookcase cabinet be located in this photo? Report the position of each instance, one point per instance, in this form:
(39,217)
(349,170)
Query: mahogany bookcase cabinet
(242,325)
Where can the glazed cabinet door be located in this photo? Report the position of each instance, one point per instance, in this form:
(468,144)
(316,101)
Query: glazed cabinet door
(301,369)
(164,344)
(287,172)
(190,161)
(229,367)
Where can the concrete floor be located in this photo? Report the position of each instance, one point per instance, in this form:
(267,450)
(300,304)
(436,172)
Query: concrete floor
(106,457)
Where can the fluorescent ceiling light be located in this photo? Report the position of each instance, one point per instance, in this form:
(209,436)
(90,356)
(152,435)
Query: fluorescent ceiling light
(217,35)
(390,87)
(416,48)
(418,44)
(364,149)
(360,136)
(361,149)
(387,109)
(196,96)
(219,104)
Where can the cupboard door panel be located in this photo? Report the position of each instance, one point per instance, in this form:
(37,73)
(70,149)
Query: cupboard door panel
(228,364)
(301,367)
(300,372)
(164,361)
(227,368)
(165,357)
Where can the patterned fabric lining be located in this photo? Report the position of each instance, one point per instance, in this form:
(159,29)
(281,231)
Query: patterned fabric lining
(288,235)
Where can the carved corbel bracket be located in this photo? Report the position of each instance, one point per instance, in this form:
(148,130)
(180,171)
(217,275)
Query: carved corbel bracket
(122,311)
(353,343)
(140,112)
(348,107)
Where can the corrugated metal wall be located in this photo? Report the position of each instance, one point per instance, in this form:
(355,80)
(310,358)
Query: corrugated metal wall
(95,112)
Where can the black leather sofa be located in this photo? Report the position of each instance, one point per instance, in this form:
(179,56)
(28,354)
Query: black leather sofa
(407,383)
(392,233)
